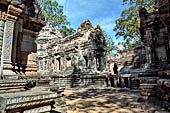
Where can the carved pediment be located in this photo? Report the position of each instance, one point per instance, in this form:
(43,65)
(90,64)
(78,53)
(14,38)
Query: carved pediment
(85,26)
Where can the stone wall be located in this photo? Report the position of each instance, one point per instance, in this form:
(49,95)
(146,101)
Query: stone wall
(128,61)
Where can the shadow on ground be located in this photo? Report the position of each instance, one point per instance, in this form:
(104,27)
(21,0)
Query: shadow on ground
(100,101)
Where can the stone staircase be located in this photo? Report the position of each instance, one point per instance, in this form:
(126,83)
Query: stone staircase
(22,97)
(12,85)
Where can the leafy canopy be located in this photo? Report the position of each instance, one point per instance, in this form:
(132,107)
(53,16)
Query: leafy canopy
(110,44)
(127,26)
(54,15)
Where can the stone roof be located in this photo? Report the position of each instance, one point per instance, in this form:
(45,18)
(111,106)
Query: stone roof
(48,32)
(82,29)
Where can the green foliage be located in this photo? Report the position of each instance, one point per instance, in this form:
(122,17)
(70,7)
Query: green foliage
(110,43)
(67,31)
(131,44)
(127,26)
(53,13)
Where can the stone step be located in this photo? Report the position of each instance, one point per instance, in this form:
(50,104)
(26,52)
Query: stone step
(27,100)
(148,90)
(148,94)
(9,88)
(148,97)
(148,86)
(12,85)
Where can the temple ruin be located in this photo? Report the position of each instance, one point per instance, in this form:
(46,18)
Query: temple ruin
(81,54)
(154,30)
(30,47)
(20,23)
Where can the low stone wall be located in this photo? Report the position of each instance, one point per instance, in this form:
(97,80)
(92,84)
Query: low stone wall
(148,92)
(163,90)
(80,81)
(156,90)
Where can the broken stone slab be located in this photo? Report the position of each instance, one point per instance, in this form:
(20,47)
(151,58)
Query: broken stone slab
(22,101)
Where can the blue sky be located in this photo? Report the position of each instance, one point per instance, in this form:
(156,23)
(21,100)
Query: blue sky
(102,12)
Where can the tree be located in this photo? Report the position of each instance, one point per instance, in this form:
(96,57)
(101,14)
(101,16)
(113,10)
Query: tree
(129,44)
(67,31)
(127,26)
(54,15)
(110,44)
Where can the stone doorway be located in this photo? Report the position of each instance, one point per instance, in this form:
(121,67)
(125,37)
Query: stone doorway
(98,63)
(58,64)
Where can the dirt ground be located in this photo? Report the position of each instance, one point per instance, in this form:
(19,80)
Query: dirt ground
(101,101)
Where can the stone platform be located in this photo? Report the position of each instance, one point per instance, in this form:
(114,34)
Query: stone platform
(27,101)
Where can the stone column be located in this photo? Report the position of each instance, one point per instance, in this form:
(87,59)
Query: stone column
(103,63)
(43,61)
(129,82)
(18,48)
(7,46)
(62,63)
(1,40)
(16,29)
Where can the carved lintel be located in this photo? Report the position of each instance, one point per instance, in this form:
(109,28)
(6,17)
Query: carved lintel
(13,13)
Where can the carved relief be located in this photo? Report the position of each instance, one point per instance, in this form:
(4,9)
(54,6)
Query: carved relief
(7,42)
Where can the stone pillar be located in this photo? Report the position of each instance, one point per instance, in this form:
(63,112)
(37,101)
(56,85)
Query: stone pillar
(129,82)
(43,71)
(63,63)
(14,46)
(1,40)
(18,48)
(7,46)
(103,63)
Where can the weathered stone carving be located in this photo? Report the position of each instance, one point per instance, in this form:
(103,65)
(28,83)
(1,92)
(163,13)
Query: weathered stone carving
(80,54)
(155,35)
(23,20)
(24,101)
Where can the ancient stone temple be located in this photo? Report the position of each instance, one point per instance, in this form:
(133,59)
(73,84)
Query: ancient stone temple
(155,37)
(20,22)
(76,58)
(47,34)
(155,34)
